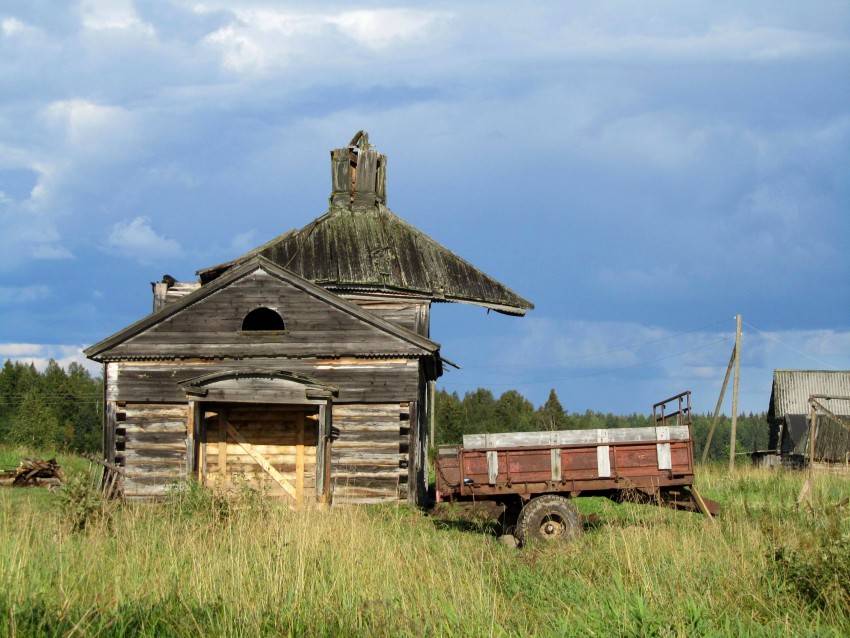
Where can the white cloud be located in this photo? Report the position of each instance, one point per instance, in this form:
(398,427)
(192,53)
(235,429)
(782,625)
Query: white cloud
(92,127)
(23,294)
(13,26)
(381,28)
(262,38)
(136,239)
(113,15)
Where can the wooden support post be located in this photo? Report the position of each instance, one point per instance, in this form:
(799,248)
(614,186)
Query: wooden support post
(323,454)
(701,504)
(222,445)
(201,425)
(808,491)
(190,440)
(734,432)
(719,403)
(110,420)
(299,458)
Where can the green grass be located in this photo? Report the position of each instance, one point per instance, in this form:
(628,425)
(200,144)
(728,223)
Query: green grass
(203,564)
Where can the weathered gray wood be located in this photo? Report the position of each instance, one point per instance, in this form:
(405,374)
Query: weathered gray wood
(318,323)
(492,466)
(568,437)
(372,451)
(109,426)
(662,450)
(268,467)
(322,451)
(160,290)
(155,435)
(413,458)
(358,380)
(603,454)
(733,434)
(555,455)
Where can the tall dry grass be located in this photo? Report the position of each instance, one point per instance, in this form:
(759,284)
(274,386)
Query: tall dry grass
(206,564)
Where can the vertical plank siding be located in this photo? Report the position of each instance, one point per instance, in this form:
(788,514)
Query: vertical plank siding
(285,438)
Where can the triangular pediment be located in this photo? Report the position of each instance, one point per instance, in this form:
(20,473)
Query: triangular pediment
(209,323)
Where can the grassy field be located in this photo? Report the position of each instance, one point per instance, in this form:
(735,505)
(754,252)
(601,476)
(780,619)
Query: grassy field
(204,564)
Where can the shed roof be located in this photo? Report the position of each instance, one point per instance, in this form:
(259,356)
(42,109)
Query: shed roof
(792,389)
(361,245)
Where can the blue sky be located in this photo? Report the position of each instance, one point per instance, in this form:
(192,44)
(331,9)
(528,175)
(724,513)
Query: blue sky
(641,171)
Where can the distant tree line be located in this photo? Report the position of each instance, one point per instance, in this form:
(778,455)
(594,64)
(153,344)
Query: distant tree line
(480,412)
(60,409)
(53,410)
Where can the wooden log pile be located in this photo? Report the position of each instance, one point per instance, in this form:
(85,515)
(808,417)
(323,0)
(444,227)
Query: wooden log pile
(33,472)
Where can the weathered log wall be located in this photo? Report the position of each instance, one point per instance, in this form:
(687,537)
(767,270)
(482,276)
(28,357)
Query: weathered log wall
(369,460)
(150,441)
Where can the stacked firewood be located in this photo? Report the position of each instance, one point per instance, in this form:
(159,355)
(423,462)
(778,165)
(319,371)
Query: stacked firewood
(33,472)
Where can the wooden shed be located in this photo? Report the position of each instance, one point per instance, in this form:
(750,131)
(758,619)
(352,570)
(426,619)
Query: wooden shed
(789,415)
(302,366)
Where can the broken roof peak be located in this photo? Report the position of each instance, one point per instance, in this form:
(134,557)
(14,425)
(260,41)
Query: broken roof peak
(360,141)
(358,175)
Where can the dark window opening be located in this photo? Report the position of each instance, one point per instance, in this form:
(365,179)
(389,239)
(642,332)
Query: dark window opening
(262,319)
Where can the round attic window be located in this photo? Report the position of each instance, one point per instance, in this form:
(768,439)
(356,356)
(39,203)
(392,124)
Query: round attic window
(262,320)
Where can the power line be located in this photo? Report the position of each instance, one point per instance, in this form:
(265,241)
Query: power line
(779,341)
(593,374)
(604,352)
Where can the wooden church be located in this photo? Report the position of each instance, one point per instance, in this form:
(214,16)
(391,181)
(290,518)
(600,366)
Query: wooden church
(301,367)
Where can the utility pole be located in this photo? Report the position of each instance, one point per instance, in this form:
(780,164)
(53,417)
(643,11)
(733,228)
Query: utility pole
(735,395)
(717,408)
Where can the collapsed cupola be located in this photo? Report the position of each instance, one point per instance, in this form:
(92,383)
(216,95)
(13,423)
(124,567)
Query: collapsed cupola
(358,174)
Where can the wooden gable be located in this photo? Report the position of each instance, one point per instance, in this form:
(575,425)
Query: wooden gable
(209,323)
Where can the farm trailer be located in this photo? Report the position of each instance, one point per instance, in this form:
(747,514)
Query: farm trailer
(535,474)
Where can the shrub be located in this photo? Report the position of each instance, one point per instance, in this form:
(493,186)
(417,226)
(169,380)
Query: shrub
(82,503)
(816,562)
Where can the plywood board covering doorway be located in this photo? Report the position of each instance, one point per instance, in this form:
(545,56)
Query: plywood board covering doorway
(267,447)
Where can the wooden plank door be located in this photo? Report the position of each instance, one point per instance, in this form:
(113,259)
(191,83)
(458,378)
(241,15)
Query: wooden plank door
(267,447)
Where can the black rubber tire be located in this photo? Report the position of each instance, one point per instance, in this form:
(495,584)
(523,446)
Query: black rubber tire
(548,518)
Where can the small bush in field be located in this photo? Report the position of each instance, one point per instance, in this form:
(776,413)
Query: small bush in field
(81,503)
(816,563)
(192,499)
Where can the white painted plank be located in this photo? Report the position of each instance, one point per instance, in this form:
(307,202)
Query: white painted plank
(603,457)
(556,463)
(492,467)
(569,437)
(665,459)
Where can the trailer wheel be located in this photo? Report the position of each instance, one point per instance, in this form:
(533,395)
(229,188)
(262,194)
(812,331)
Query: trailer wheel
(548,518)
